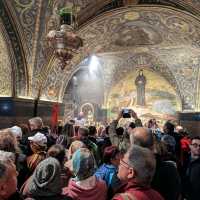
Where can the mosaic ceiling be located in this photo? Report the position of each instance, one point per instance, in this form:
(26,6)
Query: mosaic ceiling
(170,46)
(161,38)
(5,68)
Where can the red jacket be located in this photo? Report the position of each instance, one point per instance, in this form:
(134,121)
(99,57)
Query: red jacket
(140,193)
(99,192)
(185,144)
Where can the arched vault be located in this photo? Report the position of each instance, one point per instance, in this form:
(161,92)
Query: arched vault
(15,53)
(167,39)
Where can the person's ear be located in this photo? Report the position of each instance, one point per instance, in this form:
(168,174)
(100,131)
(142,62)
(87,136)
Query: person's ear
(131,173)
(3,189)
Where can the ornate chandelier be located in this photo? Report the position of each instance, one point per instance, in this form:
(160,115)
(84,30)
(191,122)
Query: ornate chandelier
(65,42)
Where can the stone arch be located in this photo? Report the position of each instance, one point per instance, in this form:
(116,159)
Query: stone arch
(87,104)
(177,31)
(12,37)
(151,62)
(6,82)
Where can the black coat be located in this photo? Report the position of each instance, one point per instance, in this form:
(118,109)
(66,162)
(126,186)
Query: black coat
(192,180)
(166,180)
(15,196)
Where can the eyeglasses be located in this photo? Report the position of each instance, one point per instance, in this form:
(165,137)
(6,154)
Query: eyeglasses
(195,145)
(125,164)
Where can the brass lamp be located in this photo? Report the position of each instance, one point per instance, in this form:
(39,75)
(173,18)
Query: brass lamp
(65,42)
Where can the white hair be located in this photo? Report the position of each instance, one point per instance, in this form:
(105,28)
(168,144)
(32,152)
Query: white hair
(6,160)
(143,162)
(37,121)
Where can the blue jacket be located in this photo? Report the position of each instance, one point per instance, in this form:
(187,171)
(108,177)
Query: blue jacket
(106,172)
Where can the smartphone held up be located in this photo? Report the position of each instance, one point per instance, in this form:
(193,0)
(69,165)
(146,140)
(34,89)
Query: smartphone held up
(126,113)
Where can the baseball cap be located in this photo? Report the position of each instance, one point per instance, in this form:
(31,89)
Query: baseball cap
(39,138)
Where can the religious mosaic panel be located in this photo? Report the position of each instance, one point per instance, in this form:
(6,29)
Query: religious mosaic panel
(140,91)
(147,27)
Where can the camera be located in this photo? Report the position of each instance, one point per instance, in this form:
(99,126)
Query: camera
(126,113)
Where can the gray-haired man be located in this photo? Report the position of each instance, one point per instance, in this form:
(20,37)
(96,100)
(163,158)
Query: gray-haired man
(136,170)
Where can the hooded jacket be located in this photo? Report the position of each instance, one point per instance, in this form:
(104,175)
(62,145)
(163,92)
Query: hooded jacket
(139,192)
(99,191)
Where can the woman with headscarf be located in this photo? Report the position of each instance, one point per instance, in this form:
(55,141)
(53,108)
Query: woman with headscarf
(58,151)
(85,186)
(38,144)
(45,183)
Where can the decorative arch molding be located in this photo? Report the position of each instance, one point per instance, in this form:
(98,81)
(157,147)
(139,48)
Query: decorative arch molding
(19,68)
(51,85)
(90,105)
(6,80)
(197,102)
(144,60)
(90,9)
(128,63)
(191,6)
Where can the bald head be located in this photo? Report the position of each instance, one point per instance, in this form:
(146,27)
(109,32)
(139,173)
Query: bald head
(179,128)
(142,137)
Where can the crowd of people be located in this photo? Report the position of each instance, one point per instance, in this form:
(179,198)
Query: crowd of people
(135,162)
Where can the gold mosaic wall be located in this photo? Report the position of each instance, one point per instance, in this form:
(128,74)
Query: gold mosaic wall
(5,69)
(164,32)
(162,101)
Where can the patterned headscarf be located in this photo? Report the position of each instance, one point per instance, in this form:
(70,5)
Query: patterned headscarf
(62,140)
(83,163)
(45,180)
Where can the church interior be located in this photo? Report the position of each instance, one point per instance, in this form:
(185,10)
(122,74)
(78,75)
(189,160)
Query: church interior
(99,99)
(95,71)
